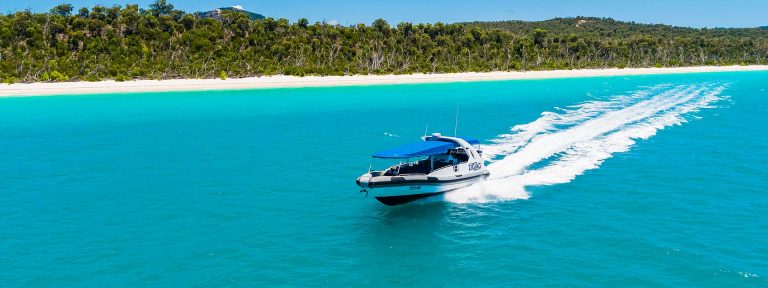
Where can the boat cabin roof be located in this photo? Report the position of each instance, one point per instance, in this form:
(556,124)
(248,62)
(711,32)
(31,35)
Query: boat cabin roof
(419,149)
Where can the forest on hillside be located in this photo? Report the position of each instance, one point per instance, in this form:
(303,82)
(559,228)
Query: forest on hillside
(160,42)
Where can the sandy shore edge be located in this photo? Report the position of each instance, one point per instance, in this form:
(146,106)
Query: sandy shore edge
(74,88)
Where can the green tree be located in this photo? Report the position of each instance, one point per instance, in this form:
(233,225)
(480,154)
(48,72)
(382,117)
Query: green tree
(161,7)
(381,25)
(62,10)
(303,22)
(83,12)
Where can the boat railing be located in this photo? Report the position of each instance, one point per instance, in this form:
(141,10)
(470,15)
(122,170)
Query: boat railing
(438,169)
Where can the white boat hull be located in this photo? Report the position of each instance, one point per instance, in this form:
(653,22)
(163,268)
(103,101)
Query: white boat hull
(401,193)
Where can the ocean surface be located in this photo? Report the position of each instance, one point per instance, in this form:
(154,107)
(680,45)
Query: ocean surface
(642,181)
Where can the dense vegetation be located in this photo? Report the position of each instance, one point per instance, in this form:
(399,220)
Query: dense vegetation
(161,42)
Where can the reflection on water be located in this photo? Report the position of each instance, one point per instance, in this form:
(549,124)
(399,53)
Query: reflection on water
(435,218)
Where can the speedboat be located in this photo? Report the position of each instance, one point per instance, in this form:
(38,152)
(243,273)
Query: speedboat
(436,165)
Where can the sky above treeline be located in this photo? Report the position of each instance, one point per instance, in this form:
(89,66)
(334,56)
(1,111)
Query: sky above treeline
(690,13)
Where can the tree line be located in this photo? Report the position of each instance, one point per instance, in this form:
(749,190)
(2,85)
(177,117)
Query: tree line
(161,42)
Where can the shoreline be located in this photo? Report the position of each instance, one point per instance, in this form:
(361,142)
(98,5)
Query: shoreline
(282,81)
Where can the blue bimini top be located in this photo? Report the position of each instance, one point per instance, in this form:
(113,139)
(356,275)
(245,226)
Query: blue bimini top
(418,149)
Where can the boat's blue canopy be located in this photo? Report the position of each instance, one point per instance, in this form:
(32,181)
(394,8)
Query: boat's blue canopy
(471,140)
(423,148)
(418,149)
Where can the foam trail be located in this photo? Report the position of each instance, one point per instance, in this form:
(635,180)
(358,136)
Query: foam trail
(580,138)
(549,122)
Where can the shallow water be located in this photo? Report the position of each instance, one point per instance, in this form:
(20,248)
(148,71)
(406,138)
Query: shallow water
(606,181)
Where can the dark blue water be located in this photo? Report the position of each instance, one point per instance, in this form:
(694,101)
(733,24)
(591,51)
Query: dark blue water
(596,182)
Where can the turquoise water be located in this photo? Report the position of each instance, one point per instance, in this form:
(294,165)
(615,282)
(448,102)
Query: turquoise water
(636,181)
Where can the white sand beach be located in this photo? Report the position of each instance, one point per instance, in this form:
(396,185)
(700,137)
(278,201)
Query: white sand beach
(73,88)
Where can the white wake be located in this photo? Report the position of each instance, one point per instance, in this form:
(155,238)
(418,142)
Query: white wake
(561,145)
